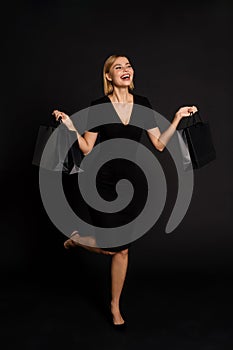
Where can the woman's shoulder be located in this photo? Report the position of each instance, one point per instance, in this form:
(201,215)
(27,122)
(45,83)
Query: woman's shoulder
(142,100)
(99,100)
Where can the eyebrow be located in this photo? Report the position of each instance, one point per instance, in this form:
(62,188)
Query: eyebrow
(119,64)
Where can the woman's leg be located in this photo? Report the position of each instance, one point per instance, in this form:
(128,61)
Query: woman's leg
(119,266)
(118,273)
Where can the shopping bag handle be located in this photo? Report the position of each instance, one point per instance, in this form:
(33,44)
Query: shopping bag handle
(192,117)
(57,122)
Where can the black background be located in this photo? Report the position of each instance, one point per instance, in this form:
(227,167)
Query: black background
(179,285)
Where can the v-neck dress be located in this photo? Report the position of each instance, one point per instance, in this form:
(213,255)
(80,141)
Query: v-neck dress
(119,168)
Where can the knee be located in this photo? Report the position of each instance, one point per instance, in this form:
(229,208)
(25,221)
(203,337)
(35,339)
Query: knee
(123,253)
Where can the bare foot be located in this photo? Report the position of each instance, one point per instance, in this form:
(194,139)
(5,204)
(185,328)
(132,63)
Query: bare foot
(77,240)
(116,315)
(86,242)
(72,242)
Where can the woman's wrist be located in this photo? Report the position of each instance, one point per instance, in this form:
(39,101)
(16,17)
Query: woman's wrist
(177,118)
(78,135)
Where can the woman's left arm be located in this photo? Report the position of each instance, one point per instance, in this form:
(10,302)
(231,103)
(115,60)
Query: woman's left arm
(160,140)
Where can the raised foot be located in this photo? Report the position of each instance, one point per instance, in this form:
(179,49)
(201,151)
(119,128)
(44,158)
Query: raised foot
(72,242)
(87,242)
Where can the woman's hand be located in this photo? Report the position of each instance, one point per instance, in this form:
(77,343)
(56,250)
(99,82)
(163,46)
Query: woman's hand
(65,119)
(185,112)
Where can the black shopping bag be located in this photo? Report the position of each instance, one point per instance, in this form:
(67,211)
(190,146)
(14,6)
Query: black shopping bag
(197,137)
(57,149)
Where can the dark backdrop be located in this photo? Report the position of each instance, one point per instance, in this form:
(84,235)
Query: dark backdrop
(52,57)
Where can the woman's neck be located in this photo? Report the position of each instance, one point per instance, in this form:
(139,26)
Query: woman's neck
(121,95)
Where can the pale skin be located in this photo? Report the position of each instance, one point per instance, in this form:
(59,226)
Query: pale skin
(121,76)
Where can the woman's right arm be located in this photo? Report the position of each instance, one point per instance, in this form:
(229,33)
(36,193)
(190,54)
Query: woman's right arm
(87,141)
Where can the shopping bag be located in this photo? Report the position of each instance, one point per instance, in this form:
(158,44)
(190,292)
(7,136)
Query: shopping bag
(62,151)
(184,150)
(197,137)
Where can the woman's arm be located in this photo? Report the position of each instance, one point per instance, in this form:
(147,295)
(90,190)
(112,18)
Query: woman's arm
(160,140)
(87,141)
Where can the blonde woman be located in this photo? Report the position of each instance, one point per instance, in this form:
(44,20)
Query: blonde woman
(118,83)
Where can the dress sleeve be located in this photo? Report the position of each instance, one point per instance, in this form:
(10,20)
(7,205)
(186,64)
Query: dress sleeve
(149,117)
(96,129)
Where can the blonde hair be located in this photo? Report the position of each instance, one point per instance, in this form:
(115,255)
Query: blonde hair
(108,88)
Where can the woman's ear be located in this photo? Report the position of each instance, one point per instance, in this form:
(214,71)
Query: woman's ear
(108,77)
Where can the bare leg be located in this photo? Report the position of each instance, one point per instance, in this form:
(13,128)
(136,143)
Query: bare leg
(118,270)
(118,273)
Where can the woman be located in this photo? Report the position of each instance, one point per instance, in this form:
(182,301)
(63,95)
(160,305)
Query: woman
(118,75)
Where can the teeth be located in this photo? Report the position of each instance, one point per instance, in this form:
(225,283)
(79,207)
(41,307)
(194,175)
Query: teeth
(125,76)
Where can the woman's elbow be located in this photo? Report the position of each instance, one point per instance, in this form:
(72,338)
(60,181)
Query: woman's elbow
(160,146)
(87,151)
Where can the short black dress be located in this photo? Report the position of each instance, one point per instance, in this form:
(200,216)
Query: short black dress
(114,170)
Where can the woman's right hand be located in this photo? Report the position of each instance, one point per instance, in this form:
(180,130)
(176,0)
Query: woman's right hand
(65,119)
(185,111)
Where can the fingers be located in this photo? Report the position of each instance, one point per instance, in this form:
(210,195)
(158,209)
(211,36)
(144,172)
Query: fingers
(192,109)
(187,111)
(58,114)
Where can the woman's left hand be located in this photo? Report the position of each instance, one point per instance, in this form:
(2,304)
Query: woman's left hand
(185,111)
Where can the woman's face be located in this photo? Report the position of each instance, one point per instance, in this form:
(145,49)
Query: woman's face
(121,72)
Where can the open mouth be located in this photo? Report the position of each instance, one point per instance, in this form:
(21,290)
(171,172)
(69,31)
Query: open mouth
(125,76)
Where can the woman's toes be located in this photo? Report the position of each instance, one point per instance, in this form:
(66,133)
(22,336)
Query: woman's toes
(72,241)
(68,243)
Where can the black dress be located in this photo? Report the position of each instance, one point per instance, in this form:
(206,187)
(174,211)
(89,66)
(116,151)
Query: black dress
(114,170)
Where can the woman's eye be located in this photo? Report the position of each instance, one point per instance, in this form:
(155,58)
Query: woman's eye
(119,67)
